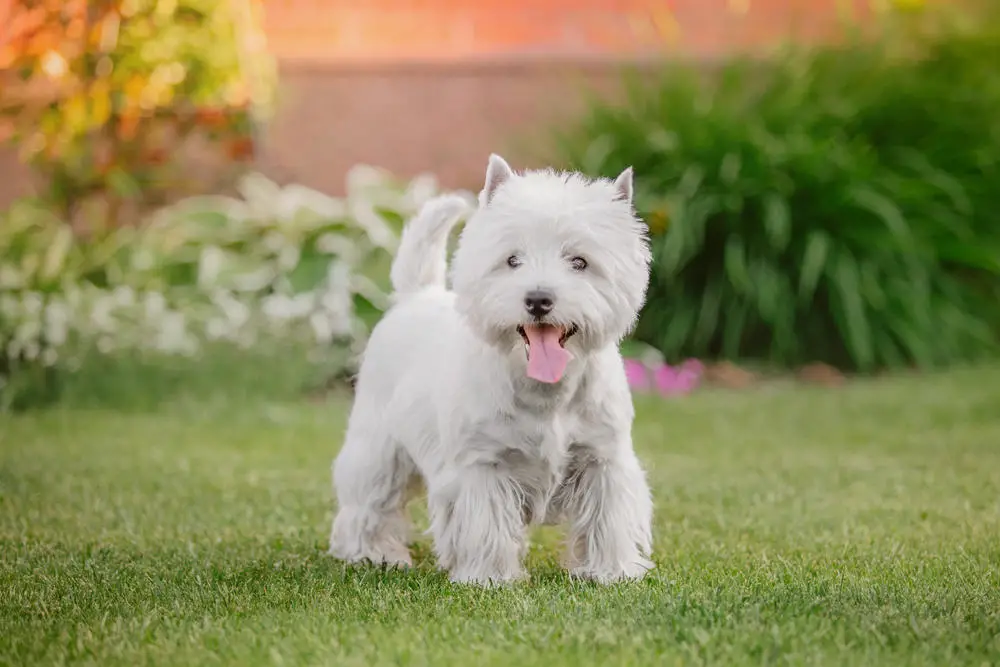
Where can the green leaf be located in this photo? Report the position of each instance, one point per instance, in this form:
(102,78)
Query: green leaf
(708,316)
(677,330)
(123,184)
(847,286)
(57,253)
(884,210)
(736,265)
(671,254)
(777,221)
(309,273)
(597,154)
(814,260)
(734,327)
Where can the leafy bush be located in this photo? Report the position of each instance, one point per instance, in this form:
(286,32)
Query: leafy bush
(276,265)
(102,95)
(834,204)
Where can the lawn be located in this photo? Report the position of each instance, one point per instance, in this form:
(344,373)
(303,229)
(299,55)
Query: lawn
(851,526)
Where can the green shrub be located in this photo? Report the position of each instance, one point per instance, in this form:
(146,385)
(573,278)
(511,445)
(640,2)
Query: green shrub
(276,268)
(834,204)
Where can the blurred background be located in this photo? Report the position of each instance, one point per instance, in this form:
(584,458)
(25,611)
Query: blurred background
(209,180)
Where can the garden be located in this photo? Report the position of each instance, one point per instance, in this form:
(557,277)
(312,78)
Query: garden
(816,370)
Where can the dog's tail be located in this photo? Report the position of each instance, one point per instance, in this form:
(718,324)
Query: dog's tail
(421,260)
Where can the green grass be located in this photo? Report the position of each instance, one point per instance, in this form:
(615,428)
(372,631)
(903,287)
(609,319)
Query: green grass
(856,526)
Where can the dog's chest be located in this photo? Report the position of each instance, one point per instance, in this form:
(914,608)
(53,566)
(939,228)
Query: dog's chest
(535,453)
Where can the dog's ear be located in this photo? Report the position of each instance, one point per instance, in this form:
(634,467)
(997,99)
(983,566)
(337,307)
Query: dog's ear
(623,186)
(497,173)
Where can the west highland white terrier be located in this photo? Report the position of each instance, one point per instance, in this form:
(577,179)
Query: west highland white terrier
(506,394)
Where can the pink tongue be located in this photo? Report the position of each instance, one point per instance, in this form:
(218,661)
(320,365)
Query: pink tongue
(547,359)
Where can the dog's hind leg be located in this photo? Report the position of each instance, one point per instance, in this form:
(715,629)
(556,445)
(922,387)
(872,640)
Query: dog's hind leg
(372,478)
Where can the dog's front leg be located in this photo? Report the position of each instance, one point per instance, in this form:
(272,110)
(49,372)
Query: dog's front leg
(608,504)
(477,526)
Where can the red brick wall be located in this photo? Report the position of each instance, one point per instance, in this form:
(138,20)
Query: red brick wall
(444,118)
(367,30)
(436,85)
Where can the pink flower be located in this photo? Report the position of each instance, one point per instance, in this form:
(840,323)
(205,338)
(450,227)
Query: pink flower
(665,379)
(637,375)
(680,379)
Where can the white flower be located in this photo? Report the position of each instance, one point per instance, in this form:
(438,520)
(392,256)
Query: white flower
(28,331)
(288,257)
(277,307)
(10,308)
(105,344)
(337,302)
(420,189)
(32,303)
(173,337)
(363,285)
(123,296)
(295,198)
(274,242)
(31,350)
(237,313)
(172,331)
(254,281)
(49,357)
(155,305)
(322,329)
(337,244)
(210,265)
(57,311)
(260,193)
(378,231)
(56,333)
(216,329)
(10,277)
(143,259)
(100,313)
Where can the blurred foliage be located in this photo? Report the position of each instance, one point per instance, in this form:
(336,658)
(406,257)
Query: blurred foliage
(100,95)
(831,204)
(284,268)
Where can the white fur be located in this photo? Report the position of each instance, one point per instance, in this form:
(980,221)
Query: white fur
(443,394)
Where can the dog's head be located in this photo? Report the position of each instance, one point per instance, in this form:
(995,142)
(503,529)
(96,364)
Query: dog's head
(557,262)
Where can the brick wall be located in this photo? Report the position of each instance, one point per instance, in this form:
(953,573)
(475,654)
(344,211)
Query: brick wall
(436,85)
(444,118)
(393,30)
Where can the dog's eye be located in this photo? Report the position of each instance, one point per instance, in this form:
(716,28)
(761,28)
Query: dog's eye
(578,264)
(513,261)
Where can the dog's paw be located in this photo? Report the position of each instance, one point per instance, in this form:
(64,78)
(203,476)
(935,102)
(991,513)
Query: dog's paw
(631,571)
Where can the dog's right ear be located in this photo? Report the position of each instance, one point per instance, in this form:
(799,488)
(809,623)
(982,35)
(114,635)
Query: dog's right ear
(623,186)
(497,173)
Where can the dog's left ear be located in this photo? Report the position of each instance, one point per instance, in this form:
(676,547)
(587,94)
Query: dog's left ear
(498,172)
(623,186)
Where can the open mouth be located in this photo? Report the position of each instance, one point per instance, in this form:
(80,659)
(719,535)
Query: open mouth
(545,345)
(563,337)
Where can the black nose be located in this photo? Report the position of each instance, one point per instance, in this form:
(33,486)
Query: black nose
(539,302)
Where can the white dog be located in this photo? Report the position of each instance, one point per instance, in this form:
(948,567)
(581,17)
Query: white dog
(508,394)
